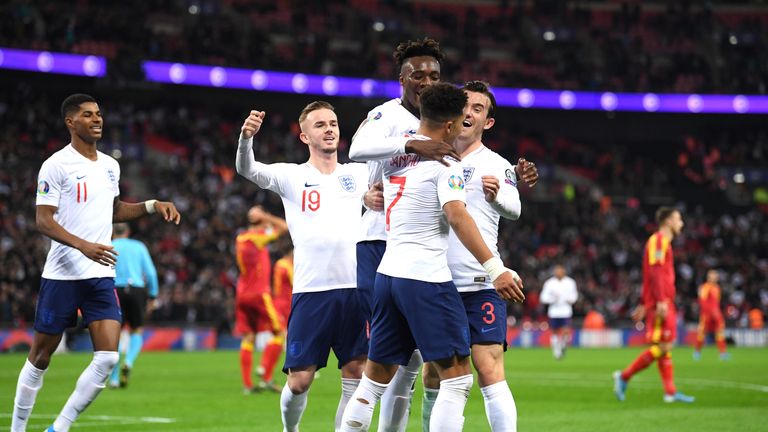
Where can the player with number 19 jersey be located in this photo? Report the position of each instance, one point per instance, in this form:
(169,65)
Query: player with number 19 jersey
(323,217)
(416,304)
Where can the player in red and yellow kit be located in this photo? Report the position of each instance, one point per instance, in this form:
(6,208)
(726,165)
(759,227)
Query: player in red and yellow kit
(710,317)
(282,289)
(254,308)
(658,308)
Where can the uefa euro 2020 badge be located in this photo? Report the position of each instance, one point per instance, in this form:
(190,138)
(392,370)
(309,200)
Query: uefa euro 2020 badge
(456,182)
(348,183)
(510,178)
(43,188)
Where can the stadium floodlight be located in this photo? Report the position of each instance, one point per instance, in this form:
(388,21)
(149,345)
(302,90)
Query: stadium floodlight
(52,62)
(299,83)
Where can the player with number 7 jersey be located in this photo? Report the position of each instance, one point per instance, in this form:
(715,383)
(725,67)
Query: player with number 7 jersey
(415,303)
(323,206)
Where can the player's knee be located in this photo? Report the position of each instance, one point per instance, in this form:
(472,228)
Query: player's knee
(299,385)
(106,360)
(40,359)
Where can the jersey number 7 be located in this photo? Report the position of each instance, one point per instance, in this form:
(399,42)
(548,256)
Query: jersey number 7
(400,181)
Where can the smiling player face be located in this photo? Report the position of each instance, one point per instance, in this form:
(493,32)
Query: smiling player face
(320,131)
(86,123)
(475,117)
(417,74)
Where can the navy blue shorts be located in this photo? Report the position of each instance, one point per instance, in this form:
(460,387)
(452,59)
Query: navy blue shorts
(410,314)
(487,316)
(59,300)
(369,254)
(321,321)
(558,323)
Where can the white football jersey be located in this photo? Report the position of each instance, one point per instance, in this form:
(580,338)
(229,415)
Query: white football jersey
(468,274)
(388,120)
(415,192)
(323,212)
(560,295)
(84,192)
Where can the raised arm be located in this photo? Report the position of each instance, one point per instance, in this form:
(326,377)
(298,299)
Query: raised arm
(264,175)
(373,141)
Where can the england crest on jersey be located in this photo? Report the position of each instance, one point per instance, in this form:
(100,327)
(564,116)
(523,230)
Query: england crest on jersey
(468,171)
(348,183)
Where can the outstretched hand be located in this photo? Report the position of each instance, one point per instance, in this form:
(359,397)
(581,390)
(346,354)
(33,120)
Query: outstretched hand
(527,172)
(432,150)
(510,286)
(168,211)
(252,124)
(102,254)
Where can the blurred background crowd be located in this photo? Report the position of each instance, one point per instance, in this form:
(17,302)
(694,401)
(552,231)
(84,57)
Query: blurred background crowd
(602,175)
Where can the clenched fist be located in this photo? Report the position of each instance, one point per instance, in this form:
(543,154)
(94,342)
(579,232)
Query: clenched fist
(252,124)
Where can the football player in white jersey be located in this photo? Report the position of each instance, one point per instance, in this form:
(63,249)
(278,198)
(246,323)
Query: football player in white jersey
(78,199)
(560,293)
(416,305)
(491,194)
(322,200)
(391,126)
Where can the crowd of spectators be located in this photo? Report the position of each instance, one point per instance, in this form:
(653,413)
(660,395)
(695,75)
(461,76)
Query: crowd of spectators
(701,47)
(594,221)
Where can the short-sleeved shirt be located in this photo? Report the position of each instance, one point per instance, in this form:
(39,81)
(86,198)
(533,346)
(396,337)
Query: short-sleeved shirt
(468,274)
(83,191)
(387,120)
(323,213)
(253,261)
(415,192)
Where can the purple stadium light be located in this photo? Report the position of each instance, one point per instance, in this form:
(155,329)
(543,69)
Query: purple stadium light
(57,63)
(286,82)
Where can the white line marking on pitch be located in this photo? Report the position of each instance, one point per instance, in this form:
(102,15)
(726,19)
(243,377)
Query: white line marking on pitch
(101,420)
(596,380)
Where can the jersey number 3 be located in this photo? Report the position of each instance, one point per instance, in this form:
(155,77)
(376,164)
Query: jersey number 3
(400,181)
(310,200)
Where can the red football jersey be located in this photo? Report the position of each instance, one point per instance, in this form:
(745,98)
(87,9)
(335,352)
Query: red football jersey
(283,286)
(658,271)
(709,298)
(253,261)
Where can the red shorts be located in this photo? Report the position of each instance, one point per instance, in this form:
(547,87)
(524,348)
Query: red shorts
(258,314)
(283,308)
(710,323)
(658,329)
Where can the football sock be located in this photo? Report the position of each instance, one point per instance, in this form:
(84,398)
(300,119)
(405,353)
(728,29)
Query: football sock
(699,342)
(396,401)
(246,363)
(720,343)
(30,382)
(348,387)
(292,407)
(555,345)
(89,385)
(134,348)
(271,354)
(448,412)
(666,372)
(357,417)
(500,407)
(427,403)
(641,362)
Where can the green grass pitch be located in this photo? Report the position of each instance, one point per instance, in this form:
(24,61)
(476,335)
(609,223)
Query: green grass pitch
(201,392)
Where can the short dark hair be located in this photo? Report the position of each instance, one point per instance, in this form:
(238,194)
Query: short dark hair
(314,106)
(425,47)
(484,88)
(442,102)
(72,103)
(663,213)
(120,228)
